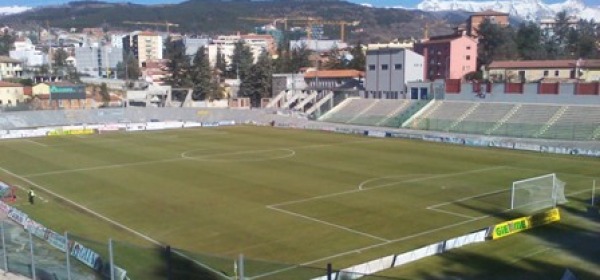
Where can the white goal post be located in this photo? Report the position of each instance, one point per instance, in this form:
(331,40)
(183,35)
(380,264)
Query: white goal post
(537,193)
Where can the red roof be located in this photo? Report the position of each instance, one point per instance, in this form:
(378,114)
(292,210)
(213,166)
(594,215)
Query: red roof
(566,63)
(7,84)
(590,63)
(489,13)
(334,74)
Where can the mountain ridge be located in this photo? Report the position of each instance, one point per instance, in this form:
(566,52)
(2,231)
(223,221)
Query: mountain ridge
(525,9)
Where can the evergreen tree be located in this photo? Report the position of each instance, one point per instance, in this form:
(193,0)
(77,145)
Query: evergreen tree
(529,40)
(259,82)
(495,42)
(178,64)
(6,42)
(129,69)
(300,57)
(359,60)
(221,64)
(205,86)
(60,58)
(241,61)
(104,94)
(561,32)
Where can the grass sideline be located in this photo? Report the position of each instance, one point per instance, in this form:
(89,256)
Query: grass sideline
(290,197)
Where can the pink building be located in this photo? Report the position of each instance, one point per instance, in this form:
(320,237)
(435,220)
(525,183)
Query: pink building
(448,56)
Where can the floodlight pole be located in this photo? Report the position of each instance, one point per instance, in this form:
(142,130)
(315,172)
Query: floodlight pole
(5,257)
(67,255)
(594,193)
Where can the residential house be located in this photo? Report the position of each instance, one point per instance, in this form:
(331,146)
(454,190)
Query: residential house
(589,70)
(390,69)
(475,19)
(533,70)
(10,68)
(448,56)
(11,94)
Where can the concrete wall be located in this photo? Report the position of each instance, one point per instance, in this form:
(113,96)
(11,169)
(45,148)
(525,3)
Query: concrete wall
(566,95)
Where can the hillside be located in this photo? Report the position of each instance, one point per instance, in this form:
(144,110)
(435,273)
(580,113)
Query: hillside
(223,17)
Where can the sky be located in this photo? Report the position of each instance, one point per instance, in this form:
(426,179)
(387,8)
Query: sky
(376,3)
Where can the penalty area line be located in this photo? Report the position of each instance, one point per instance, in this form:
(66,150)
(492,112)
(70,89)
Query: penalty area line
(328,224)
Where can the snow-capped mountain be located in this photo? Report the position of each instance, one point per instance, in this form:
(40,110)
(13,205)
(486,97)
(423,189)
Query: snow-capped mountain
(524,9)
(12,10)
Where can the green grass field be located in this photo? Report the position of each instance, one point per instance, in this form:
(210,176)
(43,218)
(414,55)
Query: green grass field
(289,197)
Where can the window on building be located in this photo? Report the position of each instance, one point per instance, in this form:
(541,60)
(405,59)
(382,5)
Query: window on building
(468,47)
(384,67)
(545,73)
(556,73)
(398,66)
(371,67)
(468,57)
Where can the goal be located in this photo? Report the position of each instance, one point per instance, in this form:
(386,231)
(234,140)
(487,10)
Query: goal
(537,193)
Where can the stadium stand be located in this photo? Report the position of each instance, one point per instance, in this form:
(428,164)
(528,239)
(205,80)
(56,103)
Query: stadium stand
(575,122)
(373,112)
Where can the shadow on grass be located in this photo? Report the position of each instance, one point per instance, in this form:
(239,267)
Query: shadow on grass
(576,237)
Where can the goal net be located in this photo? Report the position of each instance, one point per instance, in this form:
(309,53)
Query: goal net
(537,193)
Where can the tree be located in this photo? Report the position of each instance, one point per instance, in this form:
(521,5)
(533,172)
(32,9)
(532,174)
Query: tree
(300,58)
(561,32)
(258,83)
(359,61)
(241,61)
(203,79)
(129,68)
(60,58)
(178,64)
(221,64)
(334,59)
(529,40)
(104,94)
(6,42)
(495,42)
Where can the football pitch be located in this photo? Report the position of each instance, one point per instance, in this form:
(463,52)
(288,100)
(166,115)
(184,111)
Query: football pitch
(292,200)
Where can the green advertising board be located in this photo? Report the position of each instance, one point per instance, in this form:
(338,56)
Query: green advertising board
(58,92)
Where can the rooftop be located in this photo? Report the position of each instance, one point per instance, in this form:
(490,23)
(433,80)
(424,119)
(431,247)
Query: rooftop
(334,74)
(7,84)
(565,63)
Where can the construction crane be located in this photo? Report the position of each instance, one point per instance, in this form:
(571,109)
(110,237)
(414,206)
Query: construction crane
(310,21)
(155,23)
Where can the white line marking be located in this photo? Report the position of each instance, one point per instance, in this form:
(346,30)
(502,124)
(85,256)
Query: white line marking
(99,167)
(543,250)
(382,186)
(106,219)
(329,224)
(289,153)
(35,143)
(451,213)
(466,198)
(443,175)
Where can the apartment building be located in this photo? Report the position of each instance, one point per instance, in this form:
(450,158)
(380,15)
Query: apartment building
(98,61)
(145,46)
(448,56)
(10,68)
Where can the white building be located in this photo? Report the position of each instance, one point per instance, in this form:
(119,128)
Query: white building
(318,45)
(25,52)
(10,68)
(226,44)
(98,61)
